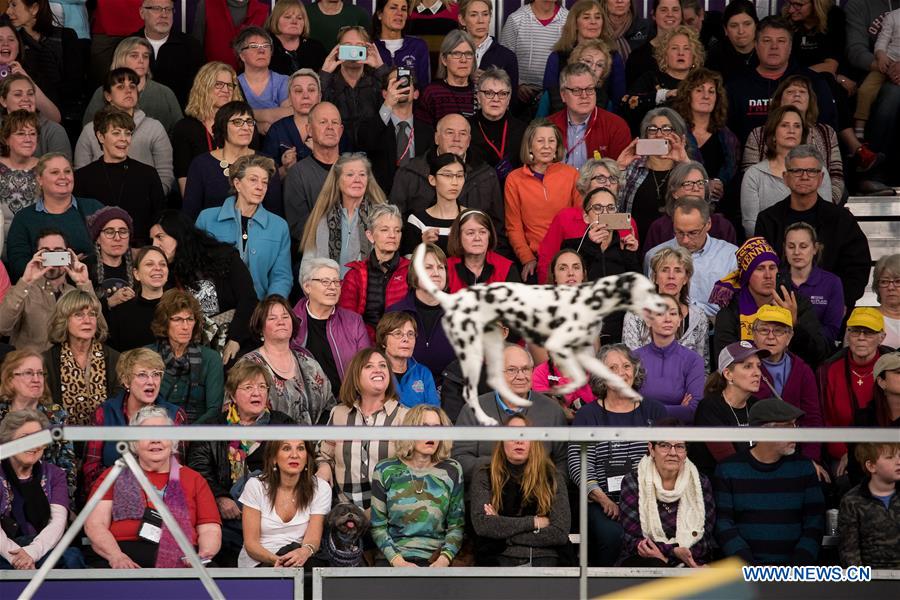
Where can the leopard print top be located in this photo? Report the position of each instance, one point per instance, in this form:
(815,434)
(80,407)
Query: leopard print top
(82,394)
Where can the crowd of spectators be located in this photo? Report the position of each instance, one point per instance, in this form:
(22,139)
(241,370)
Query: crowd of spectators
(215,228)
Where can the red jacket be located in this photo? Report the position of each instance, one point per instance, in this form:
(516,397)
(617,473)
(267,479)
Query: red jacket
(356,282)
(607,133)
(500,265)
(221,30)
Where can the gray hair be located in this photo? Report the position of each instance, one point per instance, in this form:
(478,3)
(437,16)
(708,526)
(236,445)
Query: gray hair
(17,418)
(805,151)
(151,411)
(451,41)
(304,72)
(583,184)
(889,264)
(688,204)
(383,210)
(241,39)
(674,118)
(573,70)
(495,74)
(309,267)
(678,175)
(599,386)
(509,345)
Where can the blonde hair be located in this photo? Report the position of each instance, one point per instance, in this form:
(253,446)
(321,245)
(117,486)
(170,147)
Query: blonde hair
(530,131)
(12,362)
(281,7)
(698,54)
(129,360)
(330,196)
(568,37)
(70,303)
(126,46)
(416,418)
(538,480)
(199,103)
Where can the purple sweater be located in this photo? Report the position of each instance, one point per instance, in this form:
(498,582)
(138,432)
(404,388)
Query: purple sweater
(801,390)
(672,372)
(825,292)
(346,334)
(413,54)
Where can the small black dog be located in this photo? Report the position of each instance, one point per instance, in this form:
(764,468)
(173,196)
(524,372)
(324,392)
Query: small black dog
(345,526)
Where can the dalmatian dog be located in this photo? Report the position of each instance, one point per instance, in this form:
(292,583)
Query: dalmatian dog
(565,320)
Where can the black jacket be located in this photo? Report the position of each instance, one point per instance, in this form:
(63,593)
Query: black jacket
(379,141)
(210,459)
(177,63)
(52,359)
(355,104)
(845,249)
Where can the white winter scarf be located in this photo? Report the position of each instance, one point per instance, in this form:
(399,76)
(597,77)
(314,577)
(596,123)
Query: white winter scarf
(688,494)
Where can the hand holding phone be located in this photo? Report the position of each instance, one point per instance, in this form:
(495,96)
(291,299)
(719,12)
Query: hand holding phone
(652,147)
(61,258)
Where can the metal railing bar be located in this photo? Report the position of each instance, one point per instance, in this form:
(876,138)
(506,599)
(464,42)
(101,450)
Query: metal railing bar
(583,525)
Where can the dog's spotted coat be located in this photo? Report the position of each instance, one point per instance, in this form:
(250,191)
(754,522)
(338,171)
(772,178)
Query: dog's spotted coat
(565,320)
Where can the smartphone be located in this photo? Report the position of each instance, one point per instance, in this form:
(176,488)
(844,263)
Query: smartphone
(4,71)
(56,259)
(404,77)
(615,220)
(354,53)
(655,147)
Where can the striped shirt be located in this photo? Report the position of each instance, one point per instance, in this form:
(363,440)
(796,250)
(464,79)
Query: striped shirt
(353,461)
(416,512)
(532,42)
(440,99)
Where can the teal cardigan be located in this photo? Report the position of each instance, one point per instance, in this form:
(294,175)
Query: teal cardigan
(200,401)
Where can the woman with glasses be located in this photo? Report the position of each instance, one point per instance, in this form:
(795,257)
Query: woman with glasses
(193,376)
(149,141)
(227,466)
(447,174)
(667,509)
(537,191)
(646,177)
(496,134)
(453,90)
(265,90)
(299,387)
(886,285)
(111,229)
(261,238)
(80,367)
(23,386)
(688,178)
(214,86)
(18,183)
(292,48)
(354,86)
(156,100)
(139,373)
(396,335)
(209,176)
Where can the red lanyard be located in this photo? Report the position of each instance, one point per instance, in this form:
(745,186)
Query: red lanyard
(409,142)
(587,132)
(502,149)
(209,142)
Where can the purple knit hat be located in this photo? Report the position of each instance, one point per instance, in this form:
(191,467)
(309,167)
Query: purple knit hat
(754,251)
(97,221)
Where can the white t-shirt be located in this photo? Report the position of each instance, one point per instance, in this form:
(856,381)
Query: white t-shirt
(892,328)
(273,532)
(157,44)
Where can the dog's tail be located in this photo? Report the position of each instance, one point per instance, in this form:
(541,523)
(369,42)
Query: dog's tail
(424,280)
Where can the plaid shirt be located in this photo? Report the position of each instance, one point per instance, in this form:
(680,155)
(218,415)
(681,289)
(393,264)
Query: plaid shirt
(93,455)
(630,518)
(353,461)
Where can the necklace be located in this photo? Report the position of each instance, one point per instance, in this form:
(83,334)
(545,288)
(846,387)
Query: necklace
(859,377)
(659,184)
(419,486)
(746,411)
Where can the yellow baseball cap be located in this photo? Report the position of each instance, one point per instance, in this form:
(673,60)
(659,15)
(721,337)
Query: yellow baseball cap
(774,314)
(868,317)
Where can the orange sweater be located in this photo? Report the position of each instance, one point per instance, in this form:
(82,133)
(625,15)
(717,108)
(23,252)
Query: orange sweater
(531,205)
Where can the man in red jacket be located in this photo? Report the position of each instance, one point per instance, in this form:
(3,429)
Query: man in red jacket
(587,130)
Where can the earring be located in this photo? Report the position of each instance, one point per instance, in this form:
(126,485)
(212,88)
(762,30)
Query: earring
(274,467)
(531,156)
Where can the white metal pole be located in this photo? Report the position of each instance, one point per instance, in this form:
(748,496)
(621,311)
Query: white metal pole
(583,526)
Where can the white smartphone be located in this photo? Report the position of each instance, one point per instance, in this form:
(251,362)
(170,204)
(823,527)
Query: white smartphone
(56,259)
(654,147)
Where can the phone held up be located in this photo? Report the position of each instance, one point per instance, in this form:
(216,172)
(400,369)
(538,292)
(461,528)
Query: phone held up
(352,53)
(56,259)
(652,147)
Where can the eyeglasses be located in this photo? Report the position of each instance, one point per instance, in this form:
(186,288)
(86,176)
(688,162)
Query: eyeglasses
(863,332)
(327,283)
(688,235)
(182,320)
(665,129)
(602,208)
(160,10)
(109,233)
(491,94)
(145,376)
(453,176)
(256,46)
(697,184)
(248,122)
(86,313)
(587,91)
(29,374)
(604,180)
(249,388)
(461,54)
(886,283)
(600,64)
(222,85)
(516,371)
(403,335)
(666,447)
(795,5)
(803,172)
(775,331)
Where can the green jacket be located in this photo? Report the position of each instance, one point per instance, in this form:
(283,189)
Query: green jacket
(202,400)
